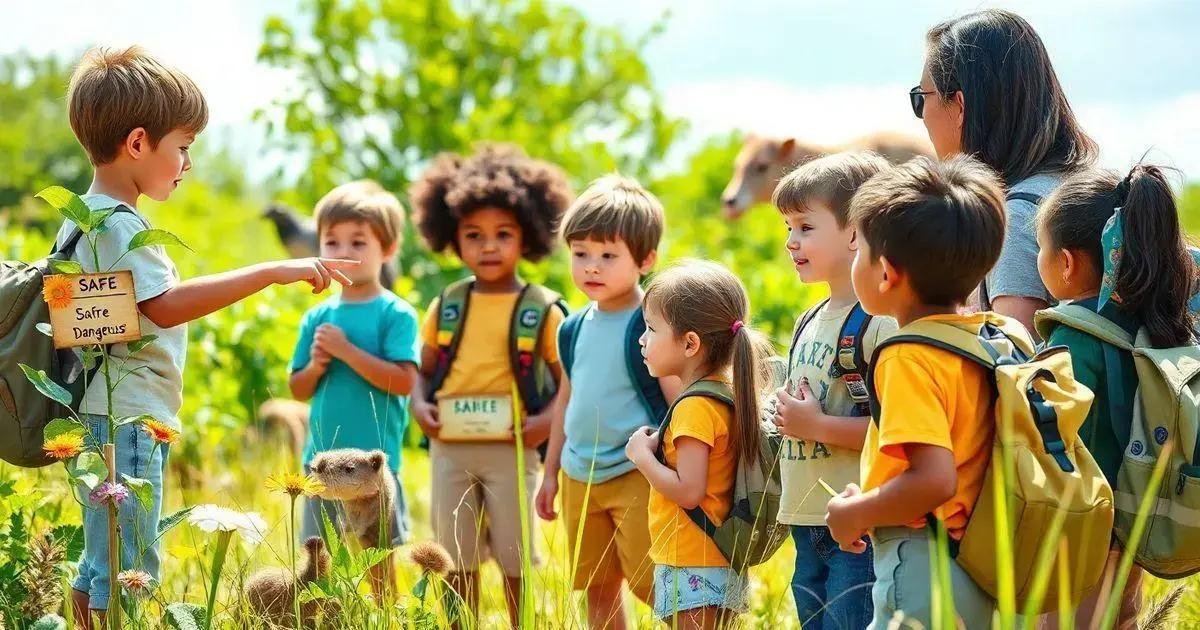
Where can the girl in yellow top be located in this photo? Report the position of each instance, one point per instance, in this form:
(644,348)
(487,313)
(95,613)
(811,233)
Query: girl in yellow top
(492,208)
(695,330)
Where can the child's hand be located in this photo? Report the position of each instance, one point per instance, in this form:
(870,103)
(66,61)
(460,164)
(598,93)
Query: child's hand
(544,501)
(797,411)
(319,272)
(426,415)
(331,340)
(319,357)
(535,429)
(840,518)
(641,445)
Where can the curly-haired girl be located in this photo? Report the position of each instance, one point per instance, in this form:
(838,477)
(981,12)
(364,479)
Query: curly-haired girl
(492,209)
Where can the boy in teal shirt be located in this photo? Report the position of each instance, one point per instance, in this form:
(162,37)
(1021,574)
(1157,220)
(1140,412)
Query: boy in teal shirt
(357,354)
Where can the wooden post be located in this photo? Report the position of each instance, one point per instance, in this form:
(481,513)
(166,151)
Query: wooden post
(114,543)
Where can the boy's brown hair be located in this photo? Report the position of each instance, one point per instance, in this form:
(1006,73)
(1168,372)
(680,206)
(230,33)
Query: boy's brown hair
(113,92)
(617,208)
(941,223)
(362,201)
(831,180)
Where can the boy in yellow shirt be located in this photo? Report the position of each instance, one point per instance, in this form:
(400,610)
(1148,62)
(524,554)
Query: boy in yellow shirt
(823,412)
(927,233)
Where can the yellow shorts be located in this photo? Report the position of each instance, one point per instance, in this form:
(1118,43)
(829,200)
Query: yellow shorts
(615,544)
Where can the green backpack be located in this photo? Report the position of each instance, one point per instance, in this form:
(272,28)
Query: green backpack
(1166,410)
(751,533)
(25,412)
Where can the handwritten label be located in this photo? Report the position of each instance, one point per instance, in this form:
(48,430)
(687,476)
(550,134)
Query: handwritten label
(102,310)
(476,419)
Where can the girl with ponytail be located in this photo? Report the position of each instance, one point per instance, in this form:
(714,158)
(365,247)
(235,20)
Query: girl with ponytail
(698,328)
(1112,243)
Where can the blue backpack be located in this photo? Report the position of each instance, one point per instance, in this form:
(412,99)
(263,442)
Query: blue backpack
(646,386)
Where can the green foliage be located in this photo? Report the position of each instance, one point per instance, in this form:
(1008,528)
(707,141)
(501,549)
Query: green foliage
(37,148)
(183,616)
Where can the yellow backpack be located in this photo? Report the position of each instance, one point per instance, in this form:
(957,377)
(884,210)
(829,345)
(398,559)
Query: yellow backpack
(1039,408)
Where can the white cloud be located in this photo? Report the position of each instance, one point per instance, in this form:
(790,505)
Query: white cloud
(830,115)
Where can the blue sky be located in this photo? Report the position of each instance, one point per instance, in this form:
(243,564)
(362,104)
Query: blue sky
(824,71)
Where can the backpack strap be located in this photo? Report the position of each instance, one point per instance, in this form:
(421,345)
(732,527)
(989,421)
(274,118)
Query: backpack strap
(704,388)
(805,319)
(452,312)
(647,386)
(568,336)
(850,364)
(985,301)
(525,344)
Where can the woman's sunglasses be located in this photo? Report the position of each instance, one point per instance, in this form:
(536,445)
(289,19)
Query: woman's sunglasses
(917,98)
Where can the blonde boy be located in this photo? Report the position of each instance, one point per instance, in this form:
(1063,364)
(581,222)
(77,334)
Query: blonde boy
(613,230)
(823,411)
(137,119)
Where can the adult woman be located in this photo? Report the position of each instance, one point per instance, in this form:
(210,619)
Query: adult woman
(988,89)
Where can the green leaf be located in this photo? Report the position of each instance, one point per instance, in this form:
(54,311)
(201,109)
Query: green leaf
(49,622)
(124,420)
(183,616)
(44,328)
(155,236)
(70,538)
(65,266)
(90,469)
(169,523)
(69,205)
(47,387)
(142,489)
(62,426)
(97,217)
(91,356)
(137,346)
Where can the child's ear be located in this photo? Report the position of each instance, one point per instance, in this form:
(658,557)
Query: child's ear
(891,276)
(391,250)
(648,264)
(691,344)
(1069,263)
(853,238)
(137,143)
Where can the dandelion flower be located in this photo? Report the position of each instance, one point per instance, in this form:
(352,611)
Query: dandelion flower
(57,292)
(210,518)
(64,446)
(295,484)
(160,432)
(432,558)
(137,583)
(109,492)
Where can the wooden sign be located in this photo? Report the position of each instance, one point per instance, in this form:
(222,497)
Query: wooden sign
(94,308)
(475,418)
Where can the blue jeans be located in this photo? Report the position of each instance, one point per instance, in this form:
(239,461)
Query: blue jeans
(832,588)
(136,457)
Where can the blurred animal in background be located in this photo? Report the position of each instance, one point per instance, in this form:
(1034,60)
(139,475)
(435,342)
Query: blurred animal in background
(298,235)
(764,160)
(285,417)
(272,591)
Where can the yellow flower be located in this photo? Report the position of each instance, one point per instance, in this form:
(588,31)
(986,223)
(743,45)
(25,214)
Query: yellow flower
(56,290)
(295,484)
(161,433)
(64,446)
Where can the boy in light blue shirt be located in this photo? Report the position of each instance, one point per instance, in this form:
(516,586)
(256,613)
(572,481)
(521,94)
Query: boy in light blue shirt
(357,354)
(613,230)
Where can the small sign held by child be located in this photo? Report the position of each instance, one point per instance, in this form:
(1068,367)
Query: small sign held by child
(94,308)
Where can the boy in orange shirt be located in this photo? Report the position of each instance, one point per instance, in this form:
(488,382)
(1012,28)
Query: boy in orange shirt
(927,234)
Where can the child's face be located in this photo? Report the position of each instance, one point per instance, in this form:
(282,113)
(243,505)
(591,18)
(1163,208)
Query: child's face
(355,240)
(820,249)
(489,243)
(606,270)
(869,277)
(159,170)
(1058,269)
(664,351)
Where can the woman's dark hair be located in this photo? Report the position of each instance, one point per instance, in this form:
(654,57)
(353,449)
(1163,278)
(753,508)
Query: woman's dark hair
(1017,118)
(496,176)
(1156,276)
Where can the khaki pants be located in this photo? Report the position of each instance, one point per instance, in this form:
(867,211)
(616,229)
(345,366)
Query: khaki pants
(615,544)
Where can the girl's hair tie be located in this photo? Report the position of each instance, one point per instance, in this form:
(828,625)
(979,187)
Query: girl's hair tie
(737,326)
(1121,192)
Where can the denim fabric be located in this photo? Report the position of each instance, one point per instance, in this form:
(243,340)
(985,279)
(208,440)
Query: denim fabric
(677,589)
(832,588)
